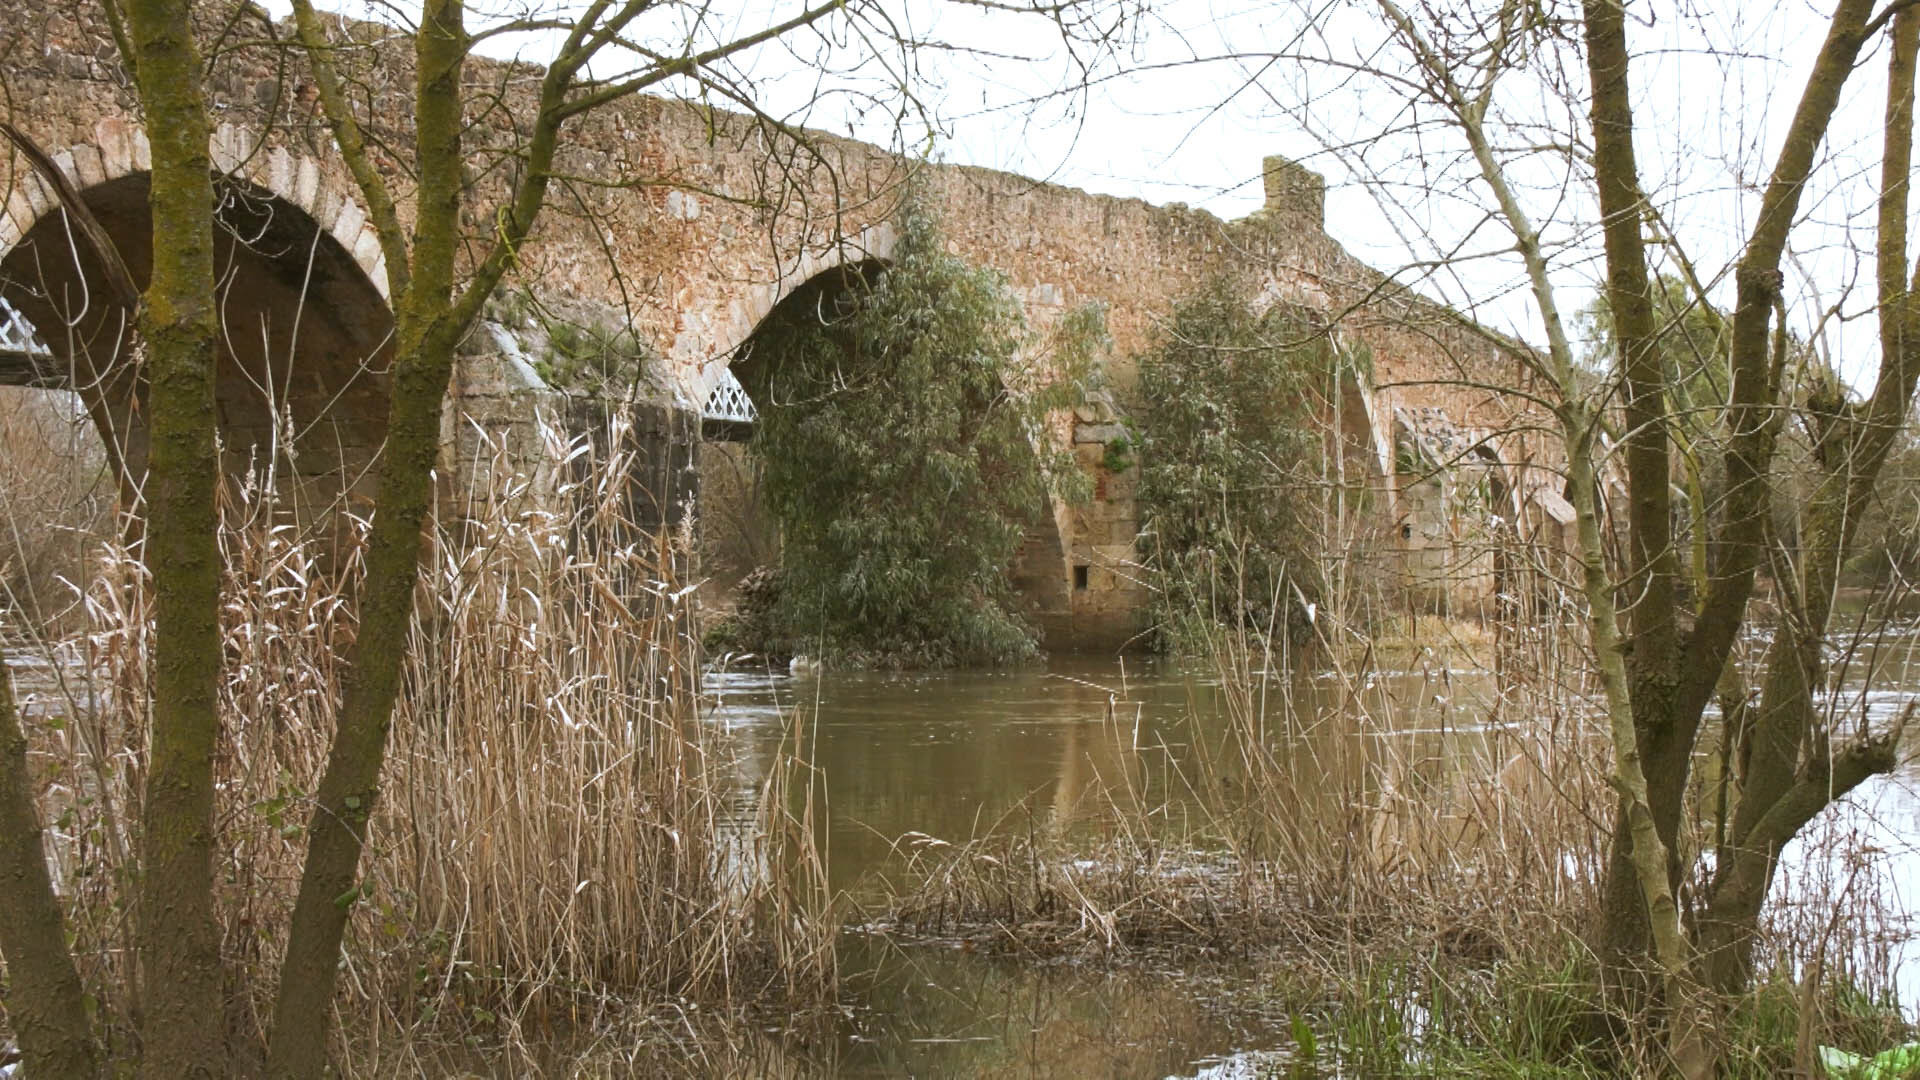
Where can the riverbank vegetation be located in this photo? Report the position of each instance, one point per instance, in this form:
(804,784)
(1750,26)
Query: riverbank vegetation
(1407,863)
(468,746)
(902,453)
(1231,468)
(558,846)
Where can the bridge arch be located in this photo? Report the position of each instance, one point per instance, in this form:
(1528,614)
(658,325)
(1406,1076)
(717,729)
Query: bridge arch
(119,148)
(738,535)
(719,336)
(306,326)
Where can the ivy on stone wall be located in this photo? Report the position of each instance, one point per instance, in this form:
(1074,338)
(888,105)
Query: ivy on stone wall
(1229,463)
(901,450)
(589,352)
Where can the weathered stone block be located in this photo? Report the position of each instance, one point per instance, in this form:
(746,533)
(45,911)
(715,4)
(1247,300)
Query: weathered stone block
(306,183)
(280,171)
(114,136)
(346,227)
(88,167)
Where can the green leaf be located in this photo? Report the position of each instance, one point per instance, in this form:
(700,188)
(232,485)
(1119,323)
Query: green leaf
(1303,1038)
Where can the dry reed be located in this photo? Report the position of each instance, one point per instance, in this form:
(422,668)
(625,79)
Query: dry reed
(56,504)
(560,842)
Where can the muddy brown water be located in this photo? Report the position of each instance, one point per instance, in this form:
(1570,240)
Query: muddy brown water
(954,755)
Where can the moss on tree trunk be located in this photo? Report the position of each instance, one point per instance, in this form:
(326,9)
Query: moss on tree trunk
(43,996)
(181,1033)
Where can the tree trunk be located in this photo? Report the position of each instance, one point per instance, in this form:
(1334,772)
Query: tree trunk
(427,338)
(43,998)
(1652,567)
(1792,774)
(181,1033)
(1667,720)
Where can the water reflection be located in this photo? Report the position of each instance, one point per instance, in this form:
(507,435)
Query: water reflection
(958,755)
(932,1012)
(1412,770)
(951,755)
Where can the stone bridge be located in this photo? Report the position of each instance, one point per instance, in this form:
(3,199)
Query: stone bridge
(698,224)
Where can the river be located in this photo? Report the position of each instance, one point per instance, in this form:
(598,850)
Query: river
(954,755)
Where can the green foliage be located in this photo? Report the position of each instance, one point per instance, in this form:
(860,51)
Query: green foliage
(1887,550)
(899,447)
(1693,344)
(756,625)
(594,359)
(1431,1014)
(1694,350)
(1228,458)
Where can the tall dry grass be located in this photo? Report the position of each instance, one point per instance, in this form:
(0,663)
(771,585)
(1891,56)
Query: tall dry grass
(56,504)
(1415,814)
(1315,794)
(559,840)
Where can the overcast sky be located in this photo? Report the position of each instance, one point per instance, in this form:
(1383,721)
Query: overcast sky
(1173,121)
(1185,102)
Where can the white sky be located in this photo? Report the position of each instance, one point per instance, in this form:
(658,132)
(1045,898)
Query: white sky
(1166,119)
(1717,83)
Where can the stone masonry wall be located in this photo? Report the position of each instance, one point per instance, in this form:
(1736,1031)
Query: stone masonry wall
(689,224)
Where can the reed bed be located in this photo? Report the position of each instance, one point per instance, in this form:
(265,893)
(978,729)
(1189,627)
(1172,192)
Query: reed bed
(1307,795)
(1406,821)
(1287,810)
(559,844)
(56,503)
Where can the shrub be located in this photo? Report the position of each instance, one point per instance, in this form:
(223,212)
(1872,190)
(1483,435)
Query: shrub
(1228,457)
(901,459)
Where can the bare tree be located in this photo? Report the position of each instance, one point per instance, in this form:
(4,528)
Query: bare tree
(447,248)
(1523,115)
(1661,652)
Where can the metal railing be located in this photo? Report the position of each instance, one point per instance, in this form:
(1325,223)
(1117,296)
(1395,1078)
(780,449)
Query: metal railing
(729,402)
(17,335)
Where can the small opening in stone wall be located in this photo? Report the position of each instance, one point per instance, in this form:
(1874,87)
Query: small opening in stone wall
(1080,577)
(1406,531)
